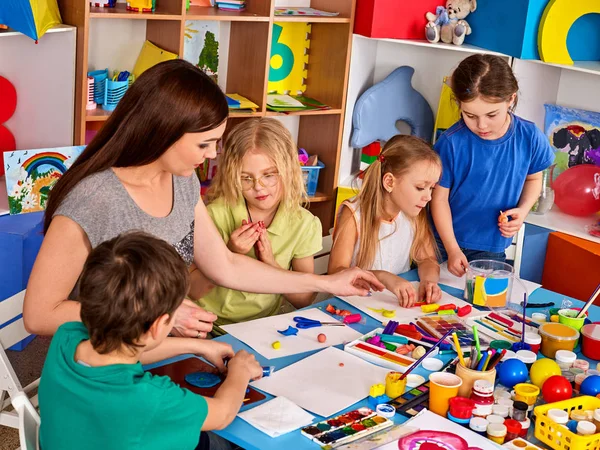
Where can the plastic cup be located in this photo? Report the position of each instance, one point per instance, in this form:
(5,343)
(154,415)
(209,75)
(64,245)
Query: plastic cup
(442,387)
(569,318)
(469,376)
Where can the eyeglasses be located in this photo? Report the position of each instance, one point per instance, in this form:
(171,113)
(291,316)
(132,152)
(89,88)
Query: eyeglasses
(267,180)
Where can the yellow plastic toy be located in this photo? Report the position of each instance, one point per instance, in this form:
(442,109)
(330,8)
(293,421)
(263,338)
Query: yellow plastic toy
(430,308)
(543,369)
(559,16)
(377,390)
(289,57)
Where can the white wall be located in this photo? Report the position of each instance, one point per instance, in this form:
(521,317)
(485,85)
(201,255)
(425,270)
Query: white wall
(115,44)
(44,77)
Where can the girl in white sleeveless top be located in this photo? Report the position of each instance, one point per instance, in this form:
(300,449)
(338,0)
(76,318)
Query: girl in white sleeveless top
(385,228)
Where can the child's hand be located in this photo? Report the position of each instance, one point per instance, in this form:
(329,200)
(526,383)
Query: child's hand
(457,263)
(510,228)
(403,289)
(429,292)
(265,251)
(244,238)
(216,353)
(244,364)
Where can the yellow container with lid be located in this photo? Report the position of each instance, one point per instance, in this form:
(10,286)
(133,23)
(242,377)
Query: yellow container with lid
(556,336)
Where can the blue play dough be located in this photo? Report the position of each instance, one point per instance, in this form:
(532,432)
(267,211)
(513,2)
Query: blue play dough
(383,104)
(291,331)
(203,379)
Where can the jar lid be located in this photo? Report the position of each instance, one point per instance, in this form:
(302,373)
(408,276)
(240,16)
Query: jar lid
(493,418)
(591,331)
(496,429)
(505,402)
(528,357)
(565,356)
(509,355)
(483,387)
(500,344)
(581,364)
(570,376)
(558,415)
(591,372)
(597,414)
(500,410)
(532,338)
(513,426)
(525,424)
(558,332)
(586,428)
(527,389)
(521,406)
(478,424)
(578,415)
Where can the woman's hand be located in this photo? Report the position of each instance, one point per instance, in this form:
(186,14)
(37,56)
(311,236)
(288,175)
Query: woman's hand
(215,352)
(192,321)
(429,292)
(353,281)
(457,263)
(244,238)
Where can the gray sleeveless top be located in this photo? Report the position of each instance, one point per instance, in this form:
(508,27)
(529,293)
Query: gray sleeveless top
(102,207)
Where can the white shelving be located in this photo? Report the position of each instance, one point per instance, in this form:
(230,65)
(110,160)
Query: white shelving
(559,221)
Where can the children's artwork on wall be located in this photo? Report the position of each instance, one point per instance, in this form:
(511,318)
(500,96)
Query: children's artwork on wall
(289,58)
(201,46)
(31,174)
(575,133)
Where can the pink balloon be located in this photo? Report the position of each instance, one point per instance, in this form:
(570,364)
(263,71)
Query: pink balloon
(577,190)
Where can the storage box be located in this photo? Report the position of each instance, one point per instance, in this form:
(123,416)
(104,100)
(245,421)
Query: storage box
(311,177)
(571,266)
(393,19)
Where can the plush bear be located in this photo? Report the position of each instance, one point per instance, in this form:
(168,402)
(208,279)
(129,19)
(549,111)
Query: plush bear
(448,24)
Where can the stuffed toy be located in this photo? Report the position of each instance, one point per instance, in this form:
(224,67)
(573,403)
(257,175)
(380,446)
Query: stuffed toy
(448,24)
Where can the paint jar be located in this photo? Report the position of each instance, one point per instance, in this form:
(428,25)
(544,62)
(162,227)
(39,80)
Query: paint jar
(496,432)
(569,376)
(591,372)
(442,387)
(461,408)
(489,283)
(578,380)
(483,396)
(468,376)
(590,339)
(506,402)
(538,317)
(525,424)
(518,346)
(500,345)
(581,364)
(509,355)
(578,415)
(556,336)
(585,428)
(394,384)
(565,359)
(500,410)
(527,393)
(519,411)
(385,410)
(479,425)
(576,371)
(493,418)
(596,418)
(534,340)
(569,318)
(513,428)
(559,416)
(463,422)
(528,357)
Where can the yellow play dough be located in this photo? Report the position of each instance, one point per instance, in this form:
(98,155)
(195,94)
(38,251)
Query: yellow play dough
(276,345)
(559,16)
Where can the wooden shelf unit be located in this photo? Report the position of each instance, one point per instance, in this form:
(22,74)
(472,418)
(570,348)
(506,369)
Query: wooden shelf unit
(320,132)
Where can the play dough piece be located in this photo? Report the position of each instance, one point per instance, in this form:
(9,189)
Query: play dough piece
(203,379)
(502,218)
(559,16)
(276,345)
(321,338)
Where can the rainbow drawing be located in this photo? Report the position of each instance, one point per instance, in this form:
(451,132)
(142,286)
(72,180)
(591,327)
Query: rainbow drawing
(31,174)
(39,160)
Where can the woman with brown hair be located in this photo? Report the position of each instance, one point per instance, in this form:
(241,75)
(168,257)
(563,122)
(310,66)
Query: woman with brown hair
(138,174)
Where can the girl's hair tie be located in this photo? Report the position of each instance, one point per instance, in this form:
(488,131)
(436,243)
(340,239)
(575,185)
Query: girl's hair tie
(381,158)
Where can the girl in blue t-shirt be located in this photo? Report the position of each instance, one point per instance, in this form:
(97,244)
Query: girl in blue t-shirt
(492,162)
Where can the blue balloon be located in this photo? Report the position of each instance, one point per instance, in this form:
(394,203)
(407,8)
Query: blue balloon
(590,386)
(512,371)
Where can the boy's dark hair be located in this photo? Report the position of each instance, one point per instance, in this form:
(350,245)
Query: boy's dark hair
(127,283)
(488,76)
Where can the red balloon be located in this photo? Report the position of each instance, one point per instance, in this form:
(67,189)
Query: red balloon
(556,388)
(577,190)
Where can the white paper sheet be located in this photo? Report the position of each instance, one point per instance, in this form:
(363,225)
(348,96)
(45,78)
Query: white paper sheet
(277,416)
(387,300)
(261,333)
(427,420)
(448,279)
(324,383)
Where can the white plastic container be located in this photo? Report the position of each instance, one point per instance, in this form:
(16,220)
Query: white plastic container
(565,359)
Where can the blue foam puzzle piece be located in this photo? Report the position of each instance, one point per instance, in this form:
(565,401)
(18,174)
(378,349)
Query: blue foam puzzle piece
(383,104)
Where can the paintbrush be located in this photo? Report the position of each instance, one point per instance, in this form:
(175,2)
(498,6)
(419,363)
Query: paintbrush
(427,353)
(589,303)
(524,315)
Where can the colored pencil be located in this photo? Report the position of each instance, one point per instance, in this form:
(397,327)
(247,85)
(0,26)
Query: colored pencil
(458,349)
(484,358)
(477,344)
(487,362)
(589,303)
(420,360)
(497,359)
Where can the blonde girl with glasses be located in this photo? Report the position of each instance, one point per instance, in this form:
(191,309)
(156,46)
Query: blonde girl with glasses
(256,203)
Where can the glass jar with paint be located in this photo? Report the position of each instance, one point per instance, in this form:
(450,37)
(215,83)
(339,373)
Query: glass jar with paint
(565,359)
(519,412)
(496,432)
(489,283)
(483,396)
(556,336)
